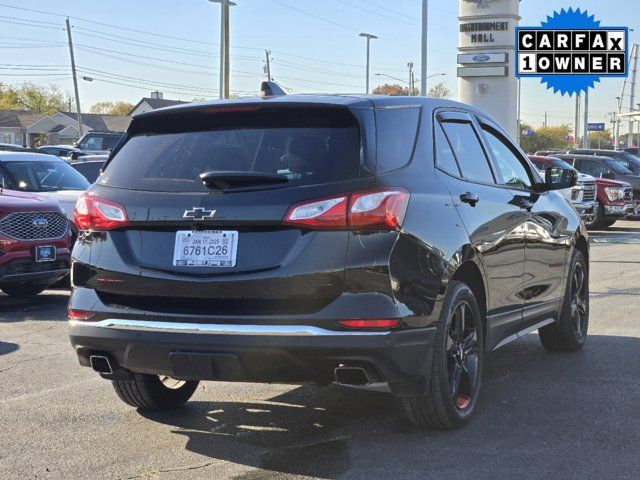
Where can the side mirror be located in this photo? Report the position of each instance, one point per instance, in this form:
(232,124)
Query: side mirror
(608,175)
(558,178)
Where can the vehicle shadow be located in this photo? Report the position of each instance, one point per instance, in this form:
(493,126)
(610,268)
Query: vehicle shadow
(14,309)
(6,347)
(536,410)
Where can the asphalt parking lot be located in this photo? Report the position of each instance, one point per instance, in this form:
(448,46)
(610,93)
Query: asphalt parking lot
(541,415)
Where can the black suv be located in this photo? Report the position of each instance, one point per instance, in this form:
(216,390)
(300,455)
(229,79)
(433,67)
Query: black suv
(97,143)
(376,242)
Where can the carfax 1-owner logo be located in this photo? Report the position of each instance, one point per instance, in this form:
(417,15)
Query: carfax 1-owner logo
(571,51)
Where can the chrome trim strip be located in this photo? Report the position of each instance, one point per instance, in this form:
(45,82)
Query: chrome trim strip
(220,329)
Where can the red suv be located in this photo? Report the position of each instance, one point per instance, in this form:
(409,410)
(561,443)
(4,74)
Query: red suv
(34,243)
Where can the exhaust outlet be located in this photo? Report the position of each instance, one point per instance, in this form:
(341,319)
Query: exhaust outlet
(100,364)
(351,376)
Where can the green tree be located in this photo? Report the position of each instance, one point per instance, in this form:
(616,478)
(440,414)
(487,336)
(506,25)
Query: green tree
(439,90)
(111,108)
(45,99)
(545,138)
(600,140)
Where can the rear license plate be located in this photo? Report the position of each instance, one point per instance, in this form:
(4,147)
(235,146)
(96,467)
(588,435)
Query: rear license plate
(45,253)
(206,248)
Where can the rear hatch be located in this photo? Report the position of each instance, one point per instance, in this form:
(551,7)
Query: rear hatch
(205,193)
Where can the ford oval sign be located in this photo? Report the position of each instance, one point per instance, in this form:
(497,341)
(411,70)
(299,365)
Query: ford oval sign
(481,58)
(40,222)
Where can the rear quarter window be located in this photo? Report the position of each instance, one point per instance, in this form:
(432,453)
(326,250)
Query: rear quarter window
(396,130)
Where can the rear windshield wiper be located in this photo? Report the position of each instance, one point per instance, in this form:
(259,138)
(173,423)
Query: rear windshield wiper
(224,180)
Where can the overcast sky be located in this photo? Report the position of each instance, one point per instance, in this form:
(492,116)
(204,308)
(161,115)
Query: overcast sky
(172,46)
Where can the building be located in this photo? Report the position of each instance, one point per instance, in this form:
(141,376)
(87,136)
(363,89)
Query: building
(61,128)
(153,103)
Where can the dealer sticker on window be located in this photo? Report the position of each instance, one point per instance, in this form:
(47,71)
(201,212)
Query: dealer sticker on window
(205,248)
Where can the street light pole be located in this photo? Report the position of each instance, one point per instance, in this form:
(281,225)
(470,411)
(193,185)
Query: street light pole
(423,77)
(224,47)
(369,37)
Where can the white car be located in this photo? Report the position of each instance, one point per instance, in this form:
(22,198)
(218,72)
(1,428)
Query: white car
(44,174)
(582,196)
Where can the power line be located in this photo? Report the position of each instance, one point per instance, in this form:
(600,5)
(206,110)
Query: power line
(378,13)
(318,17)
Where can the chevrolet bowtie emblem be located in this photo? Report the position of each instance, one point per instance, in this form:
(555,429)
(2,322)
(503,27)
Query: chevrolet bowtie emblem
(198,213)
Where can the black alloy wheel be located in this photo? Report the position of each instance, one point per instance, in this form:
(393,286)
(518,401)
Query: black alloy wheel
(462,356)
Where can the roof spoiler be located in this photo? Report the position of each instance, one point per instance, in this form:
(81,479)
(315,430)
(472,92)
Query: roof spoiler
(271,89)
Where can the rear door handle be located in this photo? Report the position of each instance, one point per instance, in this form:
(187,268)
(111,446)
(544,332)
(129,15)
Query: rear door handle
(470,198)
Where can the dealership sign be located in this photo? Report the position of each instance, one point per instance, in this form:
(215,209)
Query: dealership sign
(595,127)
(570,52)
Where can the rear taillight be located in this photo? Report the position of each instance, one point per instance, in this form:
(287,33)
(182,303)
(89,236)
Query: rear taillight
(79,314)
(95,213)
(369,323)
(380,209)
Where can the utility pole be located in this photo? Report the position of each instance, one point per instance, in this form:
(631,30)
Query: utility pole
(585,127)
(75,79)
(632,101)
(227,69)
(224,46)
(267,67)
(369,37)
(577,122)
(545,118)
(425,23)
(410,65)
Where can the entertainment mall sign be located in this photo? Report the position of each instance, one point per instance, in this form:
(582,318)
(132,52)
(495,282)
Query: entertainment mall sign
(486,52)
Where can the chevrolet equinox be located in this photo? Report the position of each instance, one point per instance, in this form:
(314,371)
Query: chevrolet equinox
(376,242)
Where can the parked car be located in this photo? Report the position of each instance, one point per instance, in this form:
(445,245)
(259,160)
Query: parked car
(99,143)
(369,241)
(615,201)
(582,196)
(10,147)
(65,152)
(44,174)
(606,167)
(34,243)
(90,166)
(625,158)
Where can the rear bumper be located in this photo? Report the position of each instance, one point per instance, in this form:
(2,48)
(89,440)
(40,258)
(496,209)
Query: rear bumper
(257,353)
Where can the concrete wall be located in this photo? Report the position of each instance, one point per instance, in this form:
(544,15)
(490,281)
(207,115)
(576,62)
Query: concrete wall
(498,96)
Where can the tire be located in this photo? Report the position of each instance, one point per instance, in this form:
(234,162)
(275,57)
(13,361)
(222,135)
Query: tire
(569,333)
(148,392)
(441,407)
(24,289)
(600,219)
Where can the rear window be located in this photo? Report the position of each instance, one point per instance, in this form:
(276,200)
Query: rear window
(169,152)
(99,142)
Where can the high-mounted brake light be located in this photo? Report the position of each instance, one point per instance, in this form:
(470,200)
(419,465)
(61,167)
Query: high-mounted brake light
(379,209)
(368,323)
(95,213)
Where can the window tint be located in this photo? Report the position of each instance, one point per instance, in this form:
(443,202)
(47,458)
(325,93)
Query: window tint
(396,135)
(307,147)
(591,167)
(511,169)
(44,176)
(617,167)
(468,151)
(444,155)
(90,170)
